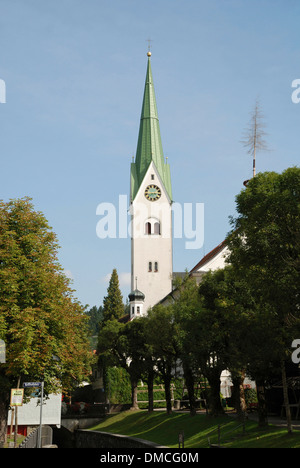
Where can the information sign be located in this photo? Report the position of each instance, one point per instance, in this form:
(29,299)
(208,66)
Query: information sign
(16,396)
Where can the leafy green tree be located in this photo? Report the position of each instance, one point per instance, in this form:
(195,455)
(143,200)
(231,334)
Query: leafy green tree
(186,304)
(265,249)
(210,324)
(213,321)
(124,345)
(227,295)
(39,317)
(136,352)
(113,307)
(237,304)
(162,337)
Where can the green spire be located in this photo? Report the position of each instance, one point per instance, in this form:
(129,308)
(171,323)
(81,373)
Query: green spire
(149,147)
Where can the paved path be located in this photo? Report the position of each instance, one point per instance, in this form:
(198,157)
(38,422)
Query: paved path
(276,421)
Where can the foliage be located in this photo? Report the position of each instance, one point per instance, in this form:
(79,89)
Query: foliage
(39,317)
(95,317)
(163,345)
(265,250)
(113,307)
(117,384)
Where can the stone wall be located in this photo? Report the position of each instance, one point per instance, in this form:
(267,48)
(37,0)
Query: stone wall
(97,439)
(73,423)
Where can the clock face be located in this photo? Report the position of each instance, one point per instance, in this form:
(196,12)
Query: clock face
(152,192)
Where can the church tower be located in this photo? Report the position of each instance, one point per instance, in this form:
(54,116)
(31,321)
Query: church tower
(151,214)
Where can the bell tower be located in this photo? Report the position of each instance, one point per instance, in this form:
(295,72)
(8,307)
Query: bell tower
(150,208)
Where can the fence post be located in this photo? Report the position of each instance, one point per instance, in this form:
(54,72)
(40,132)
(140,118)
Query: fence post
(181,439)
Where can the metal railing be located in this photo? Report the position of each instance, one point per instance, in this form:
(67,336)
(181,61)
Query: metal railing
(32,440)
(223,436)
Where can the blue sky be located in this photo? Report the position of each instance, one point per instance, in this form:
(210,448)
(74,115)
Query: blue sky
(74,72)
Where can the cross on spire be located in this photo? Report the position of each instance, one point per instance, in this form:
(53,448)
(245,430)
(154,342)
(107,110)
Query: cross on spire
(149,44)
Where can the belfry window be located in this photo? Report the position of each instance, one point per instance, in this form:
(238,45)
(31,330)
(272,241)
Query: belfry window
(155,267)
(150,266)
(152,226)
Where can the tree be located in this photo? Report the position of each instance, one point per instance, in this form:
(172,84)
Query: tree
(136,353)
(185,307)
(124,345)
(39,317)
(143,354)
(110,348)
(211,326)
(162,338)
(113,307)
(253,138)
(237,303)
(265,249)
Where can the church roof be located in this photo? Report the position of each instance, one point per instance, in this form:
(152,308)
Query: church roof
(149,146)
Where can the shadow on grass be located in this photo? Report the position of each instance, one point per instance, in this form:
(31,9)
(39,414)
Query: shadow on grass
(164,429)
(270,437)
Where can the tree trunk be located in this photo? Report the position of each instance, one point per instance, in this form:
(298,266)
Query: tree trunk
(238,394)
(4,404)
(286,399)
(262,404)
(215,405)
(134,394)
(190,383)
(167,382)
(150,391)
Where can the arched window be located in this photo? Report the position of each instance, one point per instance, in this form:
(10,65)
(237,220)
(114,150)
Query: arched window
(150,266)
(152,226)
(156,267)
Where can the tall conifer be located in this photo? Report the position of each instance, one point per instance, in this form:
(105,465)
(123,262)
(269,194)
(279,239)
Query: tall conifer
(113,307)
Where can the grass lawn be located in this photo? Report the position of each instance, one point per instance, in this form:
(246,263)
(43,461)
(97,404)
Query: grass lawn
(20,439)
(164,429)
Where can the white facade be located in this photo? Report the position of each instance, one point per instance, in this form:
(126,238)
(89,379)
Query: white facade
(217,262)
(136,308)
(214,260)
(151,241)
(29,413)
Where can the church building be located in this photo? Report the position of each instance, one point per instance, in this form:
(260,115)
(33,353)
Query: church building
(150,210)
